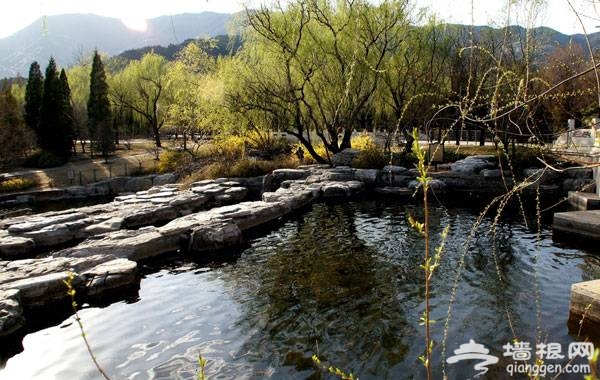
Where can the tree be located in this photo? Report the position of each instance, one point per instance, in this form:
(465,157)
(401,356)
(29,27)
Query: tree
(55,129)
(15,138)
(66,124)
(98,107)
(314,66)
(33,97)
(144,87)
(79,82)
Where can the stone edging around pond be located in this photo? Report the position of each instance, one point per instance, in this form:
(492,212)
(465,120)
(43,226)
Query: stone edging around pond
(113,186)
(132,228)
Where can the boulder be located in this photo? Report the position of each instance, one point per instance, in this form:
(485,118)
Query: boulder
(473,164)
(367,176)
(109,276)
(435,185)
(11,312)
(214,236)
(345,157)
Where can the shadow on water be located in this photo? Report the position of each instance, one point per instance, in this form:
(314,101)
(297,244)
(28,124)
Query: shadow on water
(341,280)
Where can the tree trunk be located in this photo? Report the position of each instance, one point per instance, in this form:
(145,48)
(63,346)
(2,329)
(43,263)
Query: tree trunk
(482,137)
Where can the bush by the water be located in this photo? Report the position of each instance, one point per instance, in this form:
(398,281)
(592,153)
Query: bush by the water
(245,167)
(370,156)
(16,184)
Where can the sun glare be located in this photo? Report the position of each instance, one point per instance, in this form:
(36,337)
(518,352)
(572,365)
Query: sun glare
(137,24)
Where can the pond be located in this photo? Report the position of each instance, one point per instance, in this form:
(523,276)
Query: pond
(340,280)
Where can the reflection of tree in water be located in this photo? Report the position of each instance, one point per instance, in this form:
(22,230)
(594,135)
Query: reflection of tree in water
(348,277)
(320,283)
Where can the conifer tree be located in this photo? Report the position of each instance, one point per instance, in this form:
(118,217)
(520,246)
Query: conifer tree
(56,120)
(99,115)
(66,127)
(33,97)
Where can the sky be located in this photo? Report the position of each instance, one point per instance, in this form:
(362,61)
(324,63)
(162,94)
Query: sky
(17,14)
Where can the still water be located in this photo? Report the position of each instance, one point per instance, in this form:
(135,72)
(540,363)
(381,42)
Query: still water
(340,280)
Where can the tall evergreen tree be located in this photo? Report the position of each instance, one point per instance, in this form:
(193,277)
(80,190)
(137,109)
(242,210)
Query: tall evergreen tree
(49,111)
(33,97)
(66,125)
(99,113)
(55,131)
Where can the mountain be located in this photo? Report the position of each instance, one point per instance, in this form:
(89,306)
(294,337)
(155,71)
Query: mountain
(218,46)
(67,37)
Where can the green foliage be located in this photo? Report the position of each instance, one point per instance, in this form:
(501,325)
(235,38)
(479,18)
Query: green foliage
(144,87)
(33,97)
(55,128)
(173,161)
(370,156)
(333,370)
(15,139)
(202,367)
(98,109)
(16,184)
(246,167)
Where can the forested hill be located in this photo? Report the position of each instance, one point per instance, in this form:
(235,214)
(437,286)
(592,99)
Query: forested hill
(67,37)
(221,45)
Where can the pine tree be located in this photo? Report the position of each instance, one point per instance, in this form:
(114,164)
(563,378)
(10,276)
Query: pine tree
(49,111)
(33,97)
(66,127)
(99,115)
(56,131)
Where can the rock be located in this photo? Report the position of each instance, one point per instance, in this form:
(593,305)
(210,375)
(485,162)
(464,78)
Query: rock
(473,164)
(495,173)
(435,185)
(345,157)
(11,312)
(579,184)
(109,276)
(217,235)
(393,169)
(367,176)
(272,181)
(164,179)
(580,173)
(534,174)
(336,189)
(16,246)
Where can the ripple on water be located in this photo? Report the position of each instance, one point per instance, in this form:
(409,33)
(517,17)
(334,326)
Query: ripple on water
(343,277)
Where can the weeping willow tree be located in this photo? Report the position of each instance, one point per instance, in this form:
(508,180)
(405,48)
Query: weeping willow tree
(313,66)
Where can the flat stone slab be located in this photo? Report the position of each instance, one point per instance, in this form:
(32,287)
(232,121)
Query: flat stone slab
(23,236)
(585,301)
(584,201)
(585,224)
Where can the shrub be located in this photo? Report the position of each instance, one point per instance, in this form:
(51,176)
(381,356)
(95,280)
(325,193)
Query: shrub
(44,159)
(245,167)
(363,141)
(173,161)
(370,156)
(16,184)
(308,159)
(228,147)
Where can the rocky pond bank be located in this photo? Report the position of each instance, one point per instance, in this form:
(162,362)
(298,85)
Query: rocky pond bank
(102,244)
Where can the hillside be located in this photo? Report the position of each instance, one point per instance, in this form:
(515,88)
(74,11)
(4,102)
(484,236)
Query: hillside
(67,37)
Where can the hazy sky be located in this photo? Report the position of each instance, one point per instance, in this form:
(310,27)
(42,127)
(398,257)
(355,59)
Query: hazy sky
(17,14)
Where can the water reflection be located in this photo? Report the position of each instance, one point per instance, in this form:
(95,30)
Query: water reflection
(342,280)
